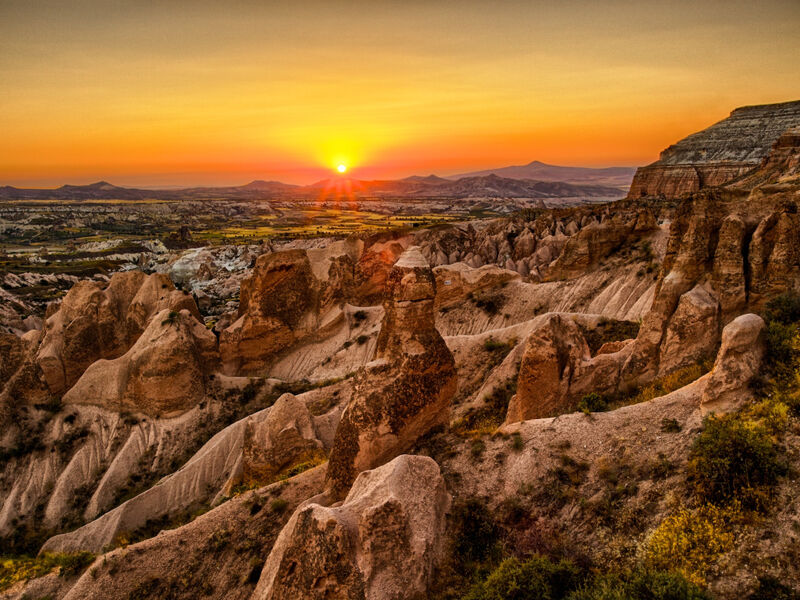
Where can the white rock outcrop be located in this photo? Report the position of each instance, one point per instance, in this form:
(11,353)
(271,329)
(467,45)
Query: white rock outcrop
(381,543)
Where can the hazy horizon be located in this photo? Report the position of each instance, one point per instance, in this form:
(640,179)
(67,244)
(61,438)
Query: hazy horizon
(146,181)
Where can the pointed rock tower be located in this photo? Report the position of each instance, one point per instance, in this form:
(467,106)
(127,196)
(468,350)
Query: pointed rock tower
(406,390)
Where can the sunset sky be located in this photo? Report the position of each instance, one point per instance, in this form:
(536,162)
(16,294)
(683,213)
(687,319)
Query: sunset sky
(184,93)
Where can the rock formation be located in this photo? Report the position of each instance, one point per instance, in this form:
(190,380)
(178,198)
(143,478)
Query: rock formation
(455,283)
(93,322)
(285,437)
(381,543)
(406,390)
(12,354)
(692,331)
(165,372)
(552,352)
(738,361)
(290,296)
(718,154)
(597,241)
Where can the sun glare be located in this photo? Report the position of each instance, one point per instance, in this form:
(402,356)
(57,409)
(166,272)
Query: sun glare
(341,168)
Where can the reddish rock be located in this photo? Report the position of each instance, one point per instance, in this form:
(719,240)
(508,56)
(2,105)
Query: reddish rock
(719,154)
(692,331)
(94,322)
(406,390)
(382,543)
(738,361)
(165,372)
(285,437)
(613,347)
(552,352)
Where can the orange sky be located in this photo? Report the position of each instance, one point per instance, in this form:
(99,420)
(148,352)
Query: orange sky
(171,93)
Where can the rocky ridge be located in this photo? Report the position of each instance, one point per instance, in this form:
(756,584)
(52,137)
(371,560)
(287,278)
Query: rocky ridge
(719,154)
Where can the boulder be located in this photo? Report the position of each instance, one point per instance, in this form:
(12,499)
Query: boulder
(165,372)
(406,390)
(285,437)
(381,543)
(552,353)
(739,359)
(692,332)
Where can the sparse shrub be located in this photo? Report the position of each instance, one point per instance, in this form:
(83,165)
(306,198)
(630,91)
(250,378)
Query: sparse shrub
(640,584)
(609,330)
(691,541)
(734,459)
(658,468)
(218,540)
(782,315)
(537,577)
(359,316)
(362,339)
(476,536)
(516,442)
(171,318)
(617,475)
(250,391)
(14,569)
(493,345)
(477,449)
(561,482)
(665,385)
(593,402)
(278,505)
(490,302)
(670,425)
(646,249)
(491,415)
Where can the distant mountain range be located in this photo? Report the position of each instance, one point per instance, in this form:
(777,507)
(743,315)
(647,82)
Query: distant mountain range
(575,182)
(620,177)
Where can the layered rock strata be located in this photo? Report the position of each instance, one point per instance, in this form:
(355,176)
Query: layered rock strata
(719,154)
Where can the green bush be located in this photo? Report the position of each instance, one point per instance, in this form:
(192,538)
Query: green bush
(733,459)
(489,416)
(593,402)
(640,584)
(476,534)
(14,569)
(493,345)
(670,425)
(783,309)
(279,505)
(537,577)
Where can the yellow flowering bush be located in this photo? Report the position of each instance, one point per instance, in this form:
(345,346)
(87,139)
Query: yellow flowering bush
(14,569)
(690,541)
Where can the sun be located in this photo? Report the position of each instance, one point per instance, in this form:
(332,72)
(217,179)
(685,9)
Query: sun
(341,168)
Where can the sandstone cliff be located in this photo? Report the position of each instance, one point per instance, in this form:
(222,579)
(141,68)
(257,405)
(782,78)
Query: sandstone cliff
(718,154)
